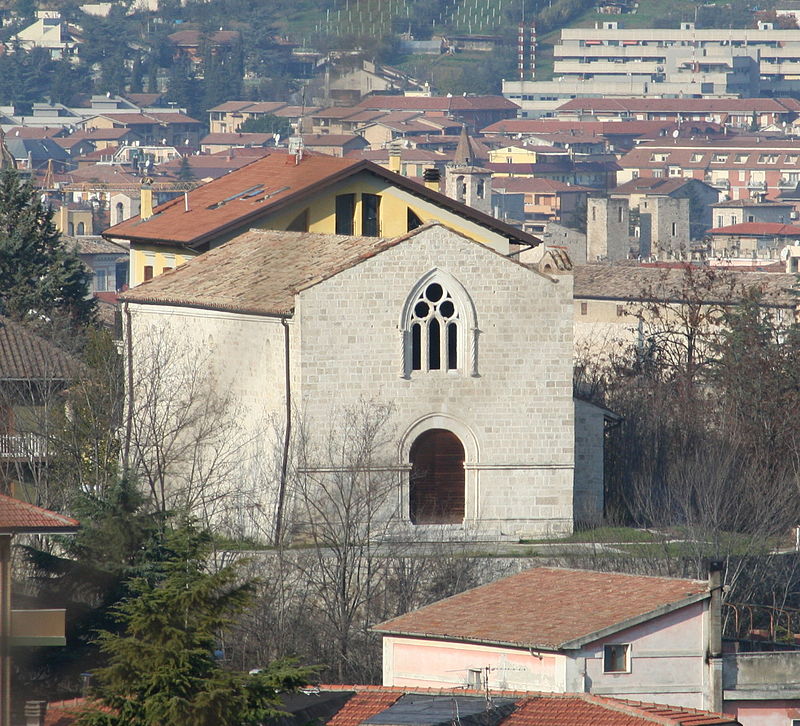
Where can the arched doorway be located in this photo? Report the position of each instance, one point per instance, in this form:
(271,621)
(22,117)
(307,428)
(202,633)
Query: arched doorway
(436,487)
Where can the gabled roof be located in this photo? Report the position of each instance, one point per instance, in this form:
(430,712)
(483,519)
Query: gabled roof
(271,183)
(261,271)
(17,517)
(547,608)
(25,356)
(530,708)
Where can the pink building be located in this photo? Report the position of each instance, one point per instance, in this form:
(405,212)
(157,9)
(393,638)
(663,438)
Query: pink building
(564,631)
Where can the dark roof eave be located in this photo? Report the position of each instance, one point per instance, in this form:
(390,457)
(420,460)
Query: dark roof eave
(127,298)
(60,529)
(456,639)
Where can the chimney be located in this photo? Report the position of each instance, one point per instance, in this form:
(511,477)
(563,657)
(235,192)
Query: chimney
(394,159)
(146,201)
(431,177)
(34,713)
(716,569)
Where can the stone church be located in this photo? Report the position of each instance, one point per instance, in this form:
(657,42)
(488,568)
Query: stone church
(472,349)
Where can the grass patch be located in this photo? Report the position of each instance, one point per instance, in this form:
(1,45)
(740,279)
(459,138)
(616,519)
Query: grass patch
(604,535)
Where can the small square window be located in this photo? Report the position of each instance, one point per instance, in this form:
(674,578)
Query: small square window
(616,658)
(474,680)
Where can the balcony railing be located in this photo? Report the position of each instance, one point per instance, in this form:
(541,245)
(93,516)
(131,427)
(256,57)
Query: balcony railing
(760,186)
(22,446)
(787,183)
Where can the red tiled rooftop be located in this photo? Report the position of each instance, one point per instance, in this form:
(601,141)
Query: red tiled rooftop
(535,708)
(364,705)
(547,608)
(272,182)
(17,517)
(766,229)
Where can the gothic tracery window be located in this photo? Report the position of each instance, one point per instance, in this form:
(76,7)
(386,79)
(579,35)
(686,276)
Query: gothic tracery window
(434,330)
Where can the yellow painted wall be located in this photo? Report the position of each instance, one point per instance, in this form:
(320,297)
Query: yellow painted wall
(516,155)
(395,203)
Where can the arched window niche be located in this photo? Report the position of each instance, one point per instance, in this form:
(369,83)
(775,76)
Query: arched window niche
(439,329)
(436,482)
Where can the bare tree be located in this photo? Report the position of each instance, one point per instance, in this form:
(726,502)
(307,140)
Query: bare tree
(185,444)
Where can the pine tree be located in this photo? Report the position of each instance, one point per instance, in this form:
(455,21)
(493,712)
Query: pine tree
(185,171)
(162,669)
(39,277)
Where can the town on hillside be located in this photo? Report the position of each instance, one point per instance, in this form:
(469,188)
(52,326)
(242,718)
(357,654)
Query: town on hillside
(399,363)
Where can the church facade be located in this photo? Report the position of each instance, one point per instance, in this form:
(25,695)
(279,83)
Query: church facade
(471,350)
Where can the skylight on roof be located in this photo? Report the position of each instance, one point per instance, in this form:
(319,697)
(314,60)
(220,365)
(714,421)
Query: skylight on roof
(249,191)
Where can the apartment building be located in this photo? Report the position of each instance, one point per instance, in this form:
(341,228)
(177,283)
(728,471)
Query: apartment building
(740,167)
(610,60)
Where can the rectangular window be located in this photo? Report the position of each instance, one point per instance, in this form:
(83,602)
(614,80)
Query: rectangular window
(166,269)
(345,212)
(370,215)
(148,272)
(584,308)
(616,658)
(100,281)
(620,310)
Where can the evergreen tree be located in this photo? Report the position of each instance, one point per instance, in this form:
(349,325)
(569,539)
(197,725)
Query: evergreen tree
(185,171)
(119,540)
(163,670)
(38,276)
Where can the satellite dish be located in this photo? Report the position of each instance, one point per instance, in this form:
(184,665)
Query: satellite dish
(675,134)
(276,138)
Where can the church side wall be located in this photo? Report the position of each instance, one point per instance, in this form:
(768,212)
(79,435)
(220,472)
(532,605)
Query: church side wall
(515,418)
(235,357)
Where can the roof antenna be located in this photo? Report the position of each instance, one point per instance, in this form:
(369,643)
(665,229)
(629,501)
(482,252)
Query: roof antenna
(296,143)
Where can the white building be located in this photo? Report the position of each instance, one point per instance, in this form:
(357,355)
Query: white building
(472,350)
(682,62)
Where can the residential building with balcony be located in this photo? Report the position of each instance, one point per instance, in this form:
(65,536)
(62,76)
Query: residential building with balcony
(610,60)
(33,375)
(740,167)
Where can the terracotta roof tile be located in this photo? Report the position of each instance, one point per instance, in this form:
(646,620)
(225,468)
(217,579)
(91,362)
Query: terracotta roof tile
(634,282)
(546,608)
(236,200)
(259,271)
(18,517)
(28,357)
(363,706)
(534,708)
(766,229)
(275,176)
